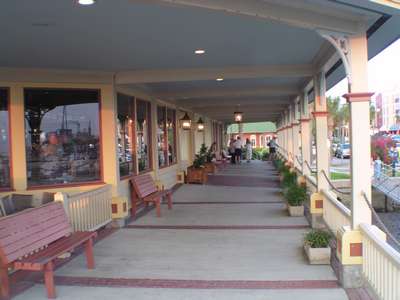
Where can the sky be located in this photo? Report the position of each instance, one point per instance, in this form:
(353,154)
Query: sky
(383,73)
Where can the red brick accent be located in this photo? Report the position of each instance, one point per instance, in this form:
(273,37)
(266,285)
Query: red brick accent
(114,208)
(195,284)
(319,204)
(124,208)
(355,249)
(320,114)
(339,245)
(305,120)
(217,227)
(358,97)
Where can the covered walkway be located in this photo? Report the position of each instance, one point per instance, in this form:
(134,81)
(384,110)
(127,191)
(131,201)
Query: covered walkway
(218,242)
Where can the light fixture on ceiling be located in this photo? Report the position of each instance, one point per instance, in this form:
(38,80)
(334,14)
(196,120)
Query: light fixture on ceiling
(186,122)
(200,125)
(238,115)
(219,79)
(86,2)
(199,51)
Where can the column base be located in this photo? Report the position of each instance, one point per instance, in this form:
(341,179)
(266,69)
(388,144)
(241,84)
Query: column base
(317,221)
(120,222)
(350,276)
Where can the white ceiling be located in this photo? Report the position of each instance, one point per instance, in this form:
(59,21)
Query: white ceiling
(128,35)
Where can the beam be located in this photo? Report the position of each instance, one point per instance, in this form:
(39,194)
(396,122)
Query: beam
(229,92)
(232,101)
(233,72)
(297,15)
(244,108)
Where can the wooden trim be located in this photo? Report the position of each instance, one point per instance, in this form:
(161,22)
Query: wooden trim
(358,97)
(9,146)
(305,120)
(320,114)
(5,190)
(65,185)
(101,162)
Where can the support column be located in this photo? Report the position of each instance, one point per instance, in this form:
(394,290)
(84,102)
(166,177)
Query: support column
(296,135)
(289,136)
(305,135)
(321,124)
(321,121)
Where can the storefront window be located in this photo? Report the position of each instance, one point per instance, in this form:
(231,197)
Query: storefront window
(171,129)
(62,136)
(161,137)
(143,134)
(125,120)
(5,181)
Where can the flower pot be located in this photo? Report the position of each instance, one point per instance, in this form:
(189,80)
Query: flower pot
(296,211)
(210,168)
(318,256)
(196,175)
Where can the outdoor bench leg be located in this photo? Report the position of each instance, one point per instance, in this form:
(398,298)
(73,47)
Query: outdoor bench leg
(49,280)
(157,203)
(89,254)
(169,199)
(5,285)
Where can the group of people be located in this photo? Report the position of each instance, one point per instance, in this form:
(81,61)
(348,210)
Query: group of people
(235,149)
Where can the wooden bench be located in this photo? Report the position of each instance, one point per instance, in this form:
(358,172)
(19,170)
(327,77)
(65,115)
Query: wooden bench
(34,238)
(144,189)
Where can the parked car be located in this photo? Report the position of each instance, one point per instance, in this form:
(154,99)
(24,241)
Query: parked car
(334,147)
(343,151)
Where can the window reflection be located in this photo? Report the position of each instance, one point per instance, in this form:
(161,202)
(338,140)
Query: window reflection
(5,181)
(62,136)
(161,136)
(143,133)
(125,123)
(171,136)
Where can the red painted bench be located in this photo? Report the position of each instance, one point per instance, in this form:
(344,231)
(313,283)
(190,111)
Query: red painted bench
(145,190)
(34,238)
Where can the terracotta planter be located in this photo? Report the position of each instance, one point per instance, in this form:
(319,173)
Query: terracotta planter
(318,256)
(296,211)
(196,175)
(210,168)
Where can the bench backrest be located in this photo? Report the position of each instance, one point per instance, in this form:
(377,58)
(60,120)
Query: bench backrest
(27,231)
(144,185)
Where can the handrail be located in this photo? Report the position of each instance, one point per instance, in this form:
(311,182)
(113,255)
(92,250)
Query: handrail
(299,161)
(309,167)
(379,221)
(332,186)
(312,180)
(339,205)
(389,252)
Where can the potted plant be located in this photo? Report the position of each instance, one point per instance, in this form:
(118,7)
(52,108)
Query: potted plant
(295,196)
(209,154)
(197,173)
(316,246)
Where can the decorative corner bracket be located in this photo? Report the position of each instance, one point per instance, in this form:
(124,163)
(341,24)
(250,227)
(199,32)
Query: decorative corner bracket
(341,43)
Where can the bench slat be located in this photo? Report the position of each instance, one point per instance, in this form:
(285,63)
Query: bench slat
(54,250)
(32,229)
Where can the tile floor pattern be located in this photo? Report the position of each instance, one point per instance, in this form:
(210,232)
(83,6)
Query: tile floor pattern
(232,241)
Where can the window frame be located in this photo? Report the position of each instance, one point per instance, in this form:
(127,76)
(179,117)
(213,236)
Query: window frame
(9,142)
(101,158)
(150,140)
(133,138)
(168,164)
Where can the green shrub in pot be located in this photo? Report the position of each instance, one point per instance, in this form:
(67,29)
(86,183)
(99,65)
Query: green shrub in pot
(295,195)
(289,178)
(317,238)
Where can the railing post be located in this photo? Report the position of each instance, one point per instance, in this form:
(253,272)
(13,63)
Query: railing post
(295,134)
(63,198)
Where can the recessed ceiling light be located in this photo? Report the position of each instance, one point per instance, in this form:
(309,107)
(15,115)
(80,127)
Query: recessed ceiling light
(200,51)
(219,79)
(86,2)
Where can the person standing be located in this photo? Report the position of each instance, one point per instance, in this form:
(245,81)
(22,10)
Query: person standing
(238,150)
(249,150)
(394,155)
(272,148)
(231,150)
